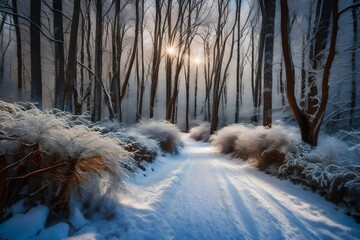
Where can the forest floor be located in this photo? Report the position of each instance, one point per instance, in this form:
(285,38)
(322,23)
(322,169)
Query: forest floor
(202,194)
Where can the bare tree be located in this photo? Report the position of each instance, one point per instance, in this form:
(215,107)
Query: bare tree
(97,108)
(35,44)
(133,53)
(156,53)
(59,55)
(141,85)
(309,123)
(353,65)
(220,72)
(70,74)
(18,46)
(318,45)
(269,10)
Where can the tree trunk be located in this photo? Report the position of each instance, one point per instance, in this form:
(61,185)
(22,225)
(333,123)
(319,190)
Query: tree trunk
(169,59)
(70,74)
(196,90)
(96,116)
(59,55)
(268,63)
(353,67)
(18,46)
(320,42)
(36,80)
(156,55)
(142,81)
(309,126)
(238,70)
(133,54)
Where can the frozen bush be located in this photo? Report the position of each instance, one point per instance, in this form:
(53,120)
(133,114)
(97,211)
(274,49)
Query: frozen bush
(201,132)
(141,147)
(167,135)
(264,148)
(225,138)
(336,181)
(46,160)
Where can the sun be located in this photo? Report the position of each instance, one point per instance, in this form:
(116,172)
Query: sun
(170,50)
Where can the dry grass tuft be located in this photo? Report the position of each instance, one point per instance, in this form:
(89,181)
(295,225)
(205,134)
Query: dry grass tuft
(43,159)
(264,148)
(167,135)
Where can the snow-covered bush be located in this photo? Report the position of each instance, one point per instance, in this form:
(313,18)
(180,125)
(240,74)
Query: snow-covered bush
(264,148)
(201,132)
(46,160)
(225,138)
(167,135)
(332,168)
(325,171)
(143,149)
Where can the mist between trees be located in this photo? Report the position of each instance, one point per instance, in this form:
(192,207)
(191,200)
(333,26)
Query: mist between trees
(186,61)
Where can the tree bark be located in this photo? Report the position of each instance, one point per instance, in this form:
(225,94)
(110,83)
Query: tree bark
(97,108)
(309,125)
(70,74)
(18,46)
(35,45)
(238,70)
(268,63)
(59,55)
(353,67)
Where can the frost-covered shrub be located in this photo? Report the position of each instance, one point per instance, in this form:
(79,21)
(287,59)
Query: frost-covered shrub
(141,147)
(46,160)
(337,181)
(201,132)
(264,148)
(167,135)
(225,138)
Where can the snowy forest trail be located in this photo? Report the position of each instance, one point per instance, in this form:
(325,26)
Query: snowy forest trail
(202,194)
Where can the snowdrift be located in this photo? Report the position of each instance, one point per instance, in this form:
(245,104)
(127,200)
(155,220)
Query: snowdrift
(332,169)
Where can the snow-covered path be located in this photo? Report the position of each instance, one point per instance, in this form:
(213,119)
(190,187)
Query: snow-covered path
(202,194)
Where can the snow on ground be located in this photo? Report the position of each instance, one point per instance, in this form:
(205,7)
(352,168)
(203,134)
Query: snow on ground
(202,194)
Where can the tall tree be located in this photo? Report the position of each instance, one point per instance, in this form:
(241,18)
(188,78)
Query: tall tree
(72,60)
(97,108)
(132,55)
(18,46)
(353,65)
(309,124)
(220,62)
(318,46)
(141,87)
(117,46)
(35,48)
(256,83)
(59,55)
(238,70)
(269,10)
(156,53)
